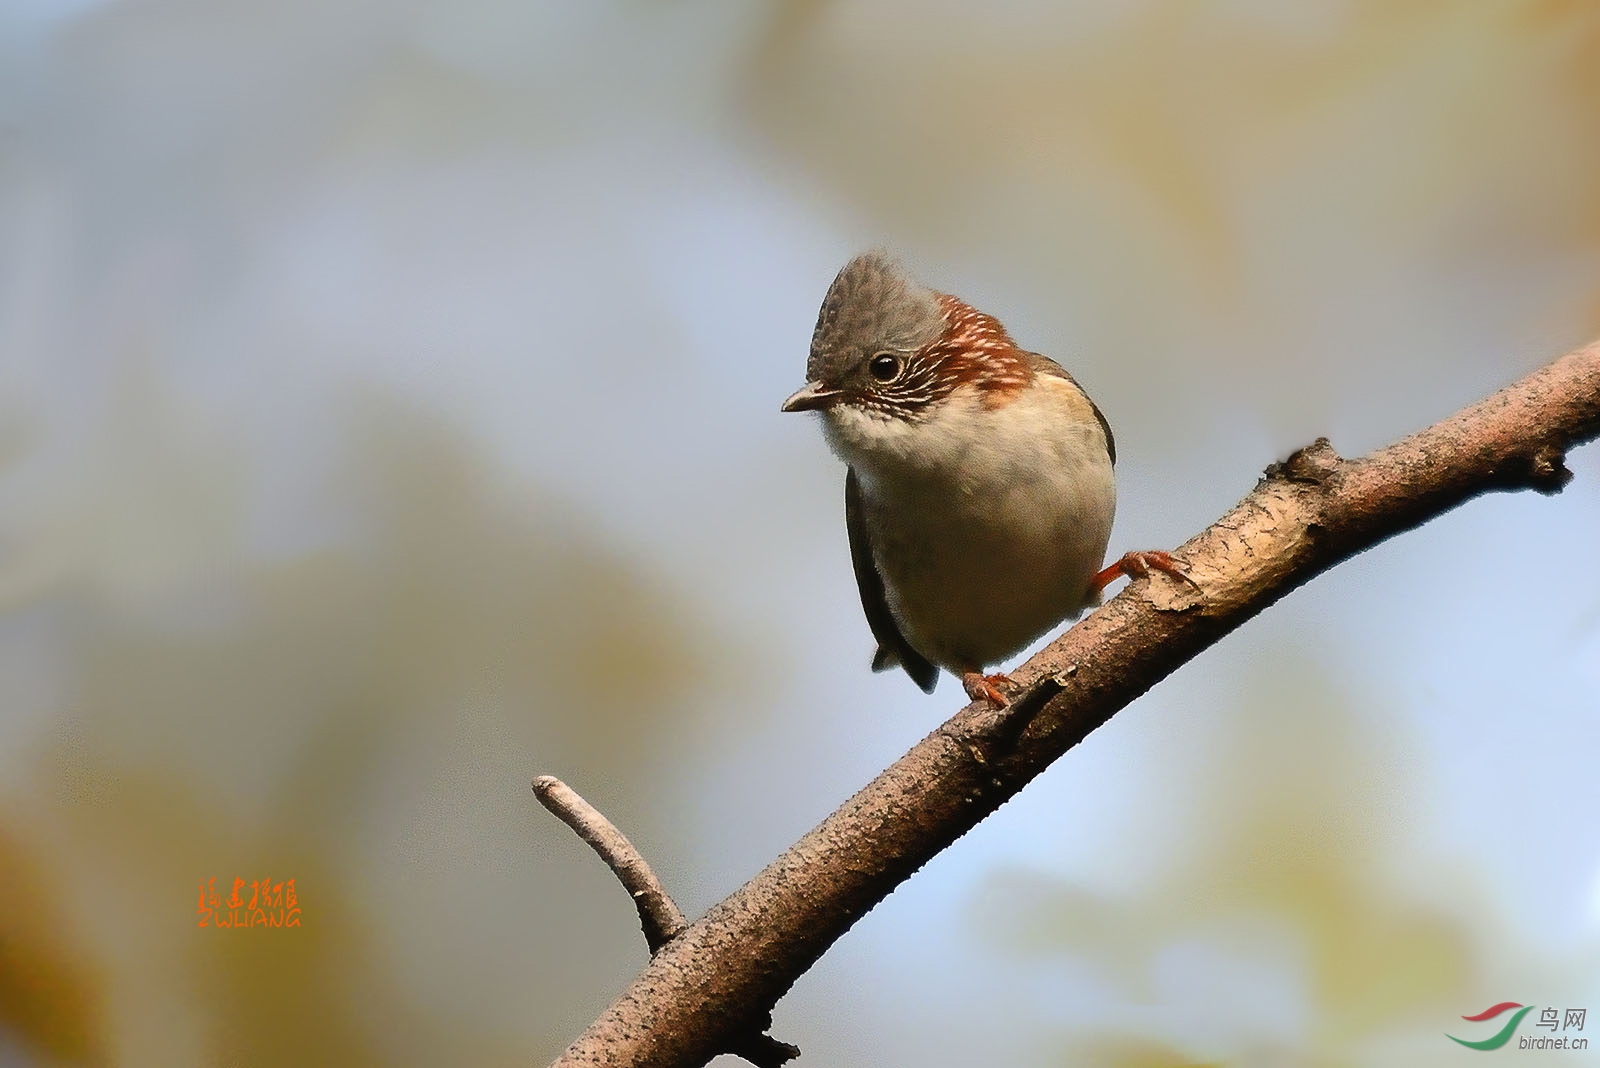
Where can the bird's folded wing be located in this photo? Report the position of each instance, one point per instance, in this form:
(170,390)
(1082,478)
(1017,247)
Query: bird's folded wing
(1044,365)
(892,645)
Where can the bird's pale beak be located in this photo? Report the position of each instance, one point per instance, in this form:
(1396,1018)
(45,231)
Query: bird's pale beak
(812,397)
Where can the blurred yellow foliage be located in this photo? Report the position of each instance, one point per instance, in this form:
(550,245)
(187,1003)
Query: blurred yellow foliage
(52,993)
(1289,825)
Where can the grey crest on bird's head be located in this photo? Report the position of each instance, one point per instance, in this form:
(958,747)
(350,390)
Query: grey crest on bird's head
(872,306)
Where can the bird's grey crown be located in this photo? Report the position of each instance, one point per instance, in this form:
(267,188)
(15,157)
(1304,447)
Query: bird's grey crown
(872,306)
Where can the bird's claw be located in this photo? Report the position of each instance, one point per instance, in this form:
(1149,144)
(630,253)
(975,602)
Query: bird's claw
(981,687)
(1139,565)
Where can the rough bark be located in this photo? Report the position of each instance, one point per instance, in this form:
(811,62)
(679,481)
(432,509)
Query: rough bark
(718,979)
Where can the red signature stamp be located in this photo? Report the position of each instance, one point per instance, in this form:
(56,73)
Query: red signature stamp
(267,904)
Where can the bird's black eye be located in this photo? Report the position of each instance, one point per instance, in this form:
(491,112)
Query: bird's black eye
(885,367)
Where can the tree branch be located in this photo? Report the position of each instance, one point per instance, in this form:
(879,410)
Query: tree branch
(659,915)
(723,974)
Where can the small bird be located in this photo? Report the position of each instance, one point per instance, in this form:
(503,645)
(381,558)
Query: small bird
(979,492)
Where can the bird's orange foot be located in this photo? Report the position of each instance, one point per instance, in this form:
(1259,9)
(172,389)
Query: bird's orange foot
(981,687)
(1138,565)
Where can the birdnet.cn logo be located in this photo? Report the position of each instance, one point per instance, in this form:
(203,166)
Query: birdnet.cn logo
(1559,1022)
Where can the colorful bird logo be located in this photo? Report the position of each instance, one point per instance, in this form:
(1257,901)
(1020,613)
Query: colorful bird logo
(1497,1040)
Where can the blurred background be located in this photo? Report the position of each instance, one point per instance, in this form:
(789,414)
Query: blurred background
(389,414)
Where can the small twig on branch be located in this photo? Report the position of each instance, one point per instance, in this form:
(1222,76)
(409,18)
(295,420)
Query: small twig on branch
(659,915)
(722,975)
